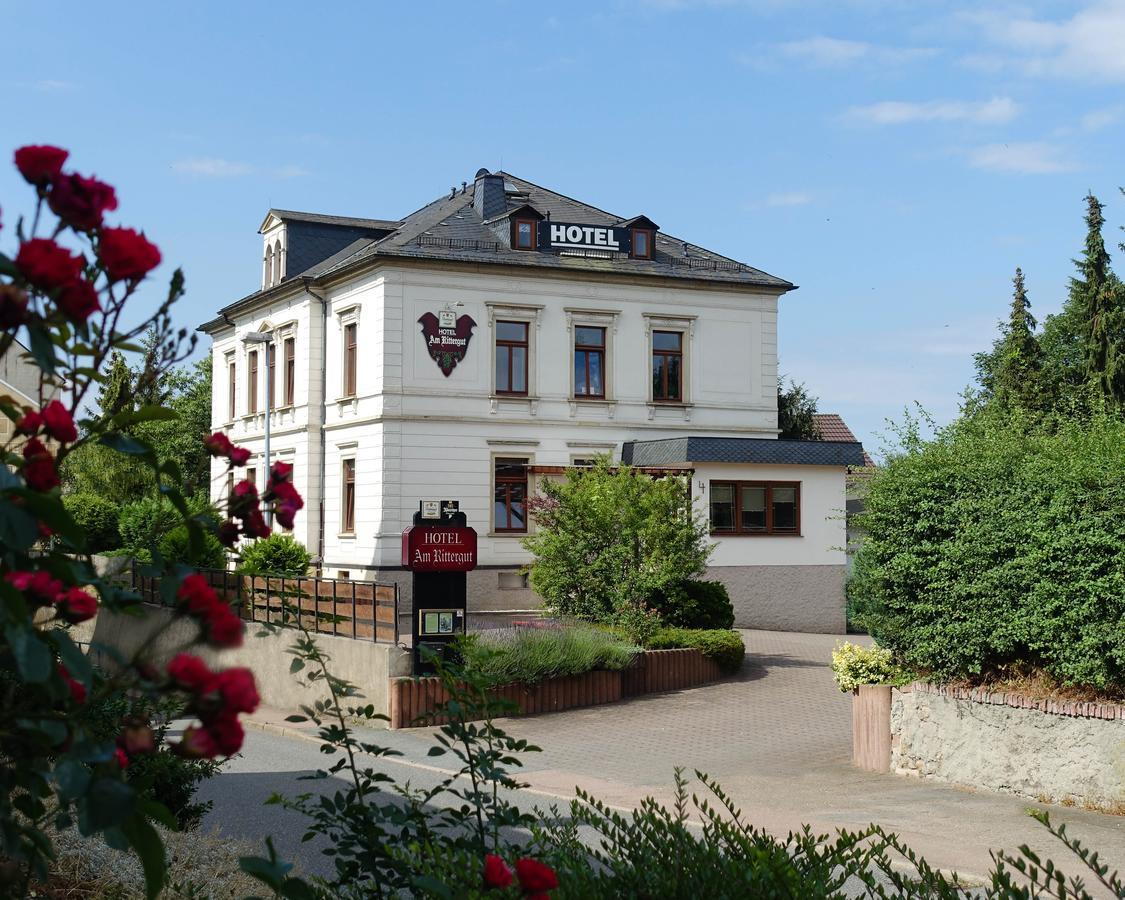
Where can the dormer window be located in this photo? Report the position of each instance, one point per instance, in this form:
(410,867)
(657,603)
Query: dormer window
(642,243)
(523,234)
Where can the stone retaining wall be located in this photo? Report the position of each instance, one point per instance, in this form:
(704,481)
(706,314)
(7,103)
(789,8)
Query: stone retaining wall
(1046,750)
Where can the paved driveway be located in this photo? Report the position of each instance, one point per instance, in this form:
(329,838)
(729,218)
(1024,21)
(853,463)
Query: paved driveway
(778,738)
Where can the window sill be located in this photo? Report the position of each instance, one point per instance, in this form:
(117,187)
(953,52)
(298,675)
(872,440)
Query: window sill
(349,535)
(597,400)
(753,534)
(507,534)
(496,395)
(671,404)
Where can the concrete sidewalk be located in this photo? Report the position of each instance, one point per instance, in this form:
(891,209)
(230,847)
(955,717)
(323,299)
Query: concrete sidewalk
(777,737)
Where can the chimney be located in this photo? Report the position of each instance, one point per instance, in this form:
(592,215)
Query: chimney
(488,194)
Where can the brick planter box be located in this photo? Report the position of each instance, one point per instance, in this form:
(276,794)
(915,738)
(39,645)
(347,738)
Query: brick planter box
(656,670)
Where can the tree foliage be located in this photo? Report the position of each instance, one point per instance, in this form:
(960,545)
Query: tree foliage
(1011,371)
(606,539)
(279,554)
(796,412)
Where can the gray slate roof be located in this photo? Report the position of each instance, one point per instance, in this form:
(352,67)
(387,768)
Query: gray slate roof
(761,451)
(450,229)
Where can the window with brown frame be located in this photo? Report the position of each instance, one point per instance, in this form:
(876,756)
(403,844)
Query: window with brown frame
(271,383)
(252,382)
(523,234)
(349,359)
(511,358)
(347,518)
(290,370)
(232,388)
(642,243)
(252,473)
(756,507)
(668,366)
(509,508)
(589,362)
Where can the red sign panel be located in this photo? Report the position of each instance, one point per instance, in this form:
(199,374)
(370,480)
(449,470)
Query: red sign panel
(447,338)
(439,548)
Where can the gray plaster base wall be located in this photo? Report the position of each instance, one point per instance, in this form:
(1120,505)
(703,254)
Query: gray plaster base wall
(1039,755)
(367,665)
(786,598)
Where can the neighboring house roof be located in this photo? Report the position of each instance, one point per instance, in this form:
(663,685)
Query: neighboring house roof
(763,451)
(834,428)
(451,229)
(19,375)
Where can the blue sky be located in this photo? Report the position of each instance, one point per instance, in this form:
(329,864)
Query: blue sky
(896,160)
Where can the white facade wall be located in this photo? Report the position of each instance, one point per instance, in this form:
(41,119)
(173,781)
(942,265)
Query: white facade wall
(415,433)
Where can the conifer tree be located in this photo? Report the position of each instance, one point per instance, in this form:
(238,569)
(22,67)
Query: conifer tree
(1018,355)
(116,393)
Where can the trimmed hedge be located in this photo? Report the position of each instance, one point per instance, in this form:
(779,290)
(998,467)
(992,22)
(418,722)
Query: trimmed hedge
(279,554)
(722,645)
(997,548)
(97,518)
(694,604)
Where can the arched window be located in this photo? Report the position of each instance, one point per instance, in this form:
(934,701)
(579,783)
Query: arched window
(267,274)
(278,274)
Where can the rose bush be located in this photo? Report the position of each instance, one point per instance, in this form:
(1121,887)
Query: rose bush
(64,288)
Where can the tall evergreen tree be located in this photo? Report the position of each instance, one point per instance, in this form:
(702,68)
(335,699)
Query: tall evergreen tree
(116,392)
(1017,354)
(796,412)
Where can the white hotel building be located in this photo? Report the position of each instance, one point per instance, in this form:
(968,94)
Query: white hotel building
(498,335)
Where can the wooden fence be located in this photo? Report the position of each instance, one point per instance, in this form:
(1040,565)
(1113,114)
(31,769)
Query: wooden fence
(364,610)
(414,700)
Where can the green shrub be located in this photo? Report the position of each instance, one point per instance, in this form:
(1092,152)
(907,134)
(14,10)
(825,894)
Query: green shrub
(853,665)
(998,546)
(529,655)
(722,645)
(175,547)
(608,538)
(694,604)
(279,554)
(144,522)
(97,518)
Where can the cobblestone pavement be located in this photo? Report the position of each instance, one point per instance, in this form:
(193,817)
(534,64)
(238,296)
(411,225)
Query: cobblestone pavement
(778,738)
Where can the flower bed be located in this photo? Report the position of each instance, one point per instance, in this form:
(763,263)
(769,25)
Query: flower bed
(413,700)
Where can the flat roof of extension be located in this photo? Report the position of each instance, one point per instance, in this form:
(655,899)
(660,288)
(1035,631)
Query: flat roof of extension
(760,451)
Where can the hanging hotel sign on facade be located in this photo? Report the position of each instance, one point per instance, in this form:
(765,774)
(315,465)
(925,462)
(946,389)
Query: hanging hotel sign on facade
(447,338)
(566,235)
(439,548)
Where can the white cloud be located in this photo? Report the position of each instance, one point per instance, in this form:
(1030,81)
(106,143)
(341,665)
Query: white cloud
(836,52)
(1098,119)
(996,111)
(1087,45)
(212,167)
(290,171)
(1028,158)
(789,198)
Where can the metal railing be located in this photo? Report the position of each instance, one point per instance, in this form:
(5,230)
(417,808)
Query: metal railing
(362,610)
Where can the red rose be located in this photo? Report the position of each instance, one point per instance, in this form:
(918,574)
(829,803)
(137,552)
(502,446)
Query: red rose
(535,877)
(254,524)
(39,587)
(237,688)
(58,422)
(228,533)
(29,423)
(78,300)
(13,306)
(137,740)
(39,467)
(121,758)
(77,688)
(246,488)
(238,456)
(40,164)
(285,514)
(76,606)
(81,202)
(197,743)
(224,628)
(198,596)
(496,874)
(218,444)
(47,265)
(127,255)
(190,672)
(279,471)
(226,732)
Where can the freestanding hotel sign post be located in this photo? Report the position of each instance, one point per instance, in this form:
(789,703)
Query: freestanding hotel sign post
(439,548)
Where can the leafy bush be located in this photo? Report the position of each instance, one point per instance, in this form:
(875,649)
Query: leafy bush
(529,655)
(853,665)
(279,554)
(725,647)
(999,546)
(609,538)
(143,523)
(694,604)
(97,517)
(175,547)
